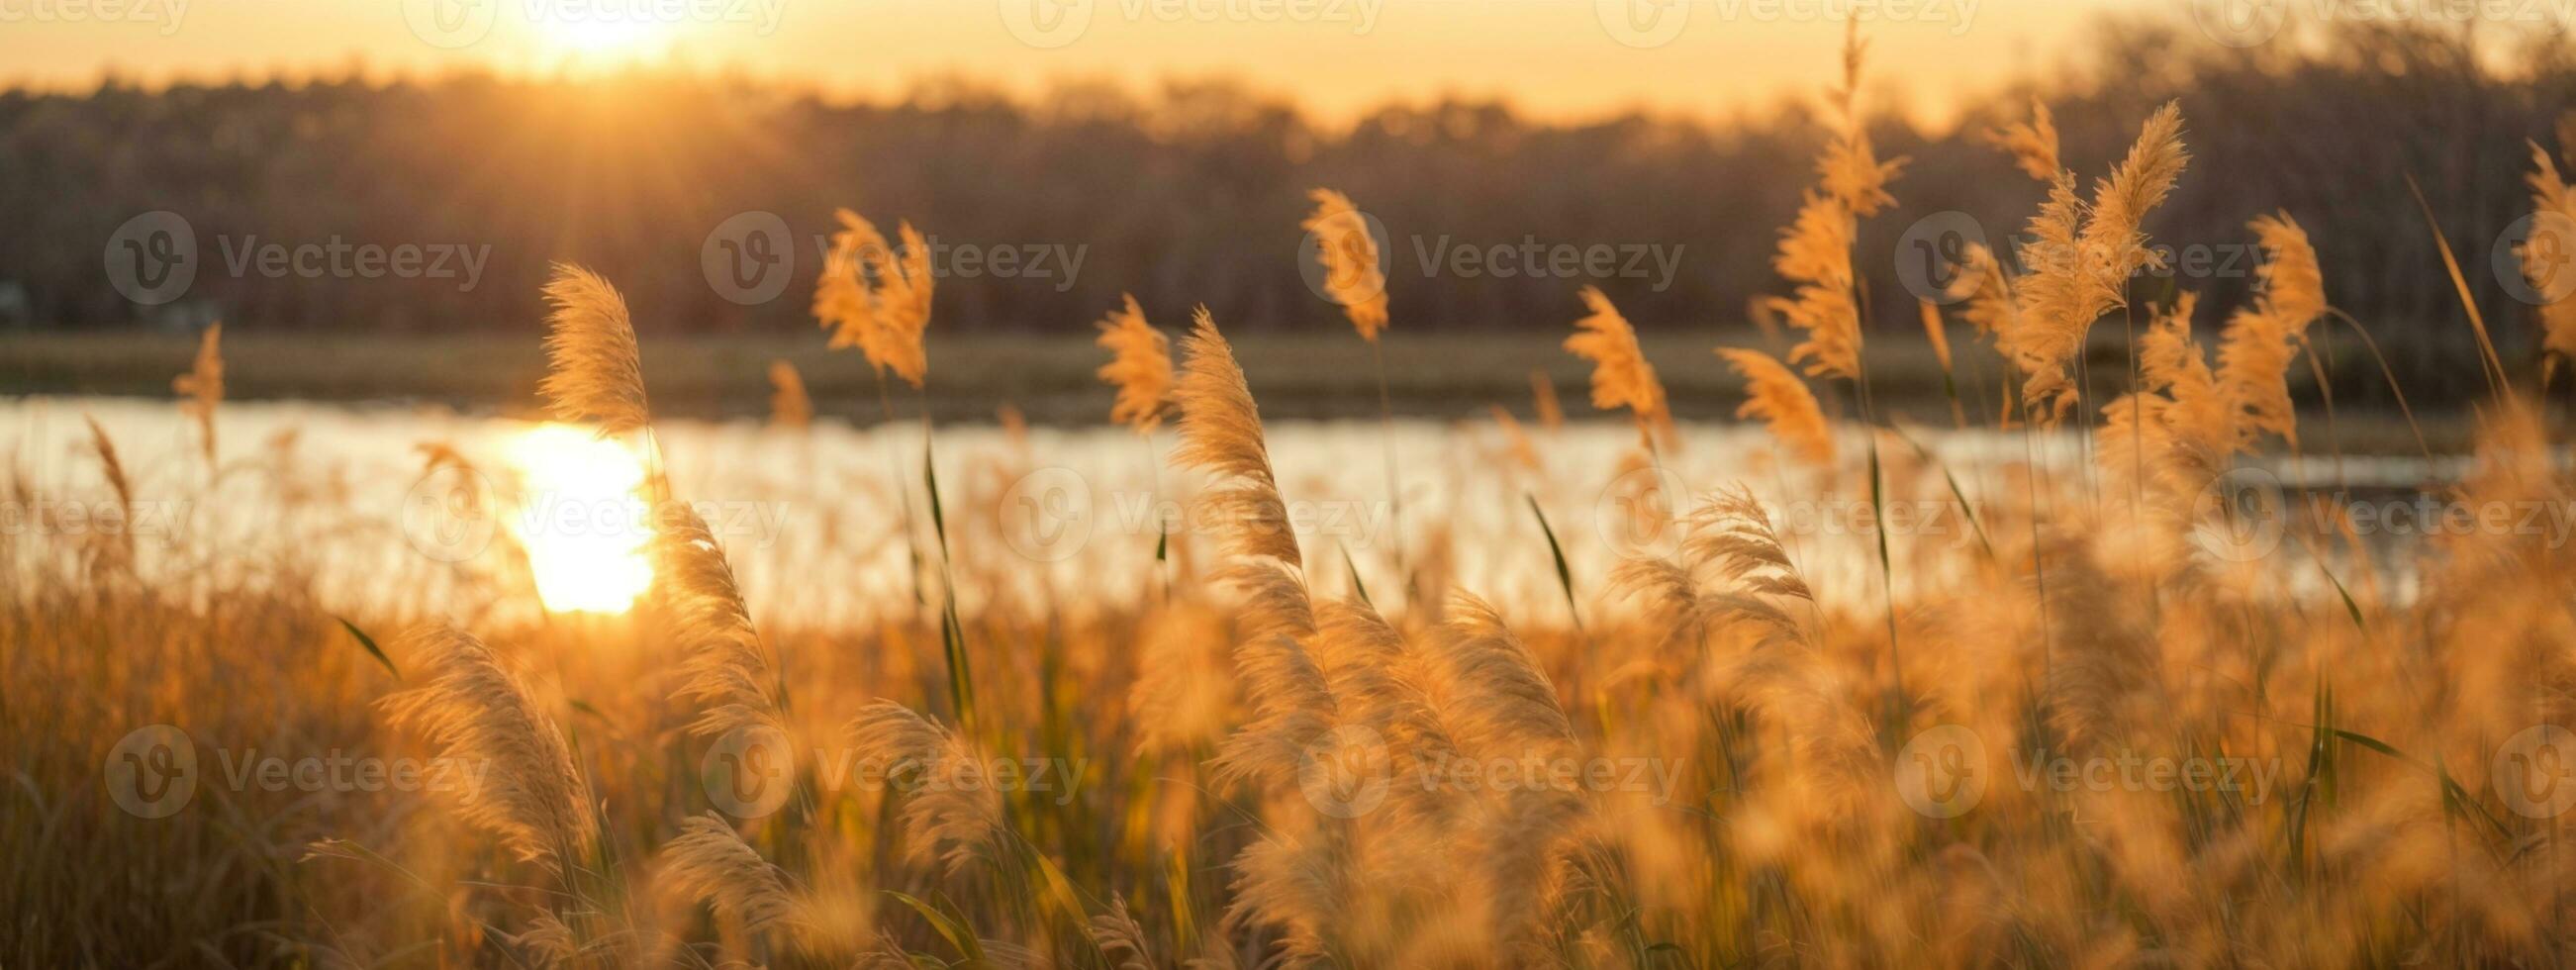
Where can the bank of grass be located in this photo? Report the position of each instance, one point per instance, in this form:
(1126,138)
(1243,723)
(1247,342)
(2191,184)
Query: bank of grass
(1049,376)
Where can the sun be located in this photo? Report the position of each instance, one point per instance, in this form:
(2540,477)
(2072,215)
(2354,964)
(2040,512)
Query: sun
(595,39)
(582,518)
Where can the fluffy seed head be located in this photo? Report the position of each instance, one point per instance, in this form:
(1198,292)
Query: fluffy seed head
(788,405)
(1140,367)
(1350,257)
(1782,401)
(1621,377)
(594,372)
(202,387)
(474,711)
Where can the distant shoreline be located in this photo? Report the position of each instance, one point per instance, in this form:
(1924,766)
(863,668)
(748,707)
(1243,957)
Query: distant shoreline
(1048,378)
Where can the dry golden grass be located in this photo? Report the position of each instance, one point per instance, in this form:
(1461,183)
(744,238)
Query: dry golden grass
(1722,764)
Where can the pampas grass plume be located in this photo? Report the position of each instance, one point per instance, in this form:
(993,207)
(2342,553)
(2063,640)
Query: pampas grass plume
(594,372)
(1140,367)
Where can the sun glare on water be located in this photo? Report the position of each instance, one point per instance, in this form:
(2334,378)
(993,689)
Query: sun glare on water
(582,518)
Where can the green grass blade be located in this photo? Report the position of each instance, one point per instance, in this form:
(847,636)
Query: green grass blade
(370,643)
(1564,573)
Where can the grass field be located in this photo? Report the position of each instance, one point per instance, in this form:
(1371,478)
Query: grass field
(2108,694)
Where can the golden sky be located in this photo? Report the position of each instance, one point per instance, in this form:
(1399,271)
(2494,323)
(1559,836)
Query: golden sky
(1558,58)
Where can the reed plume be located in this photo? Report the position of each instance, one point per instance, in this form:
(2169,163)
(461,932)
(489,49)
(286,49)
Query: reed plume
(948,815)
(1349,256)
(1775,395)
(2198,412)
(202,387)
(708,862)
(2545,252)
(2161,444)
(1294,879)
(843,303)
(2032,144)
(594,372)
(1986,294)
(1551,415)
(1731,534)
(877,297)
(1501,703)
(111,551)
(1121,939)
(1621,377)
(2254,355)
(533,799)
(1376,683)
(788,405)
(1815,250)
(2081,256)
(1815,254)
(1220,431)
(1502,708)
(1140,367)
(1222,436)
(1517,442)
(1727,539)
(1851,171)
(726,667)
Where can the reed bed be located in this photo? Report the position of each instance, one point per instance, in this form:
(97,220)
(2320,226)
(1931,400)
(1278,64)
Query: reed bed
(2086,722)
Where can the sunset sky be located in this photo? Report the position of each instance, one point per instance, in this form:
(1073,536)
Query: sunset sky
(1559,58)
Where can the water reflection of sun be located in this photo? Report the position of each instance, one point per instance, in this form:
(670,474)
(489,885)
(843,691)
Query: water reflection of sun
(582,518)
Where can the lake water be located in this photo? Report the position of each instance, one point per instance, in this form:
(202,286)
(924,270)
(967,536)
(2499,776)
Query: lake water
(814,519)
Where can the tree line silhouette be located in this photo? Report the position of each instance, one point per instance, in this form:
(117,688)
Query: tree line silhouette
(1192,192)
